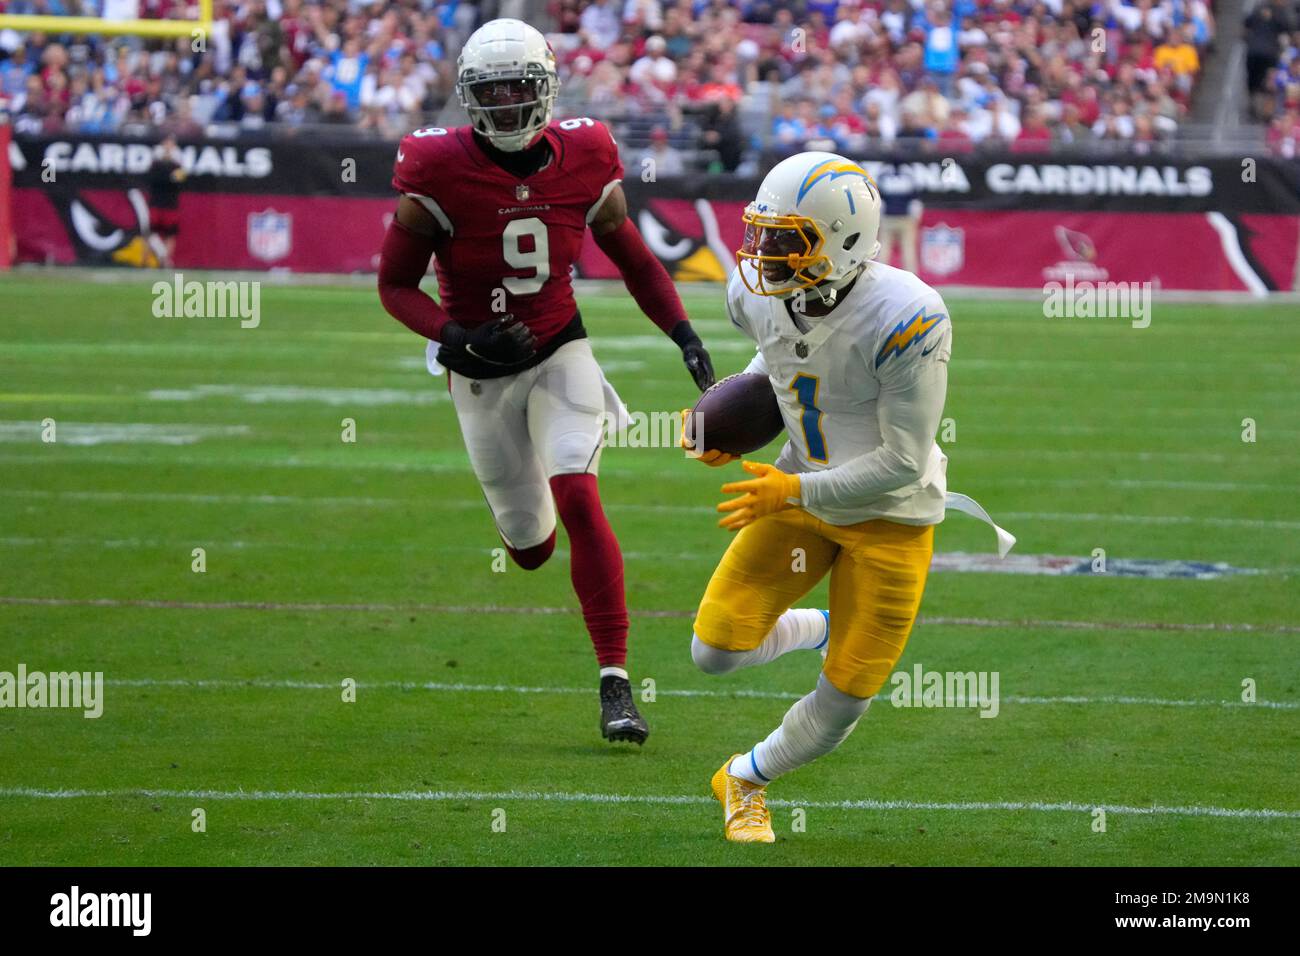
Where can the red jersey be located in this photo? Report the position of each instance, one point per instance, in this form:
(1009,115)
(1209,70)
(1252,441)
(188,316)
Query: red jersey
(508,245)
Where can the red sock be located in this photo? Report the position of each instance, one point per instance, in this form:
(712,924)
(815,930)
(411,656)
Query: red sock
(530,559)
(596,565)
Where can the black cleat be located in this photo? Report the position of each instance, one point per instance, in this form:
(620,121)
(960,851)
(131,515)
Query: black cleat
(619,718)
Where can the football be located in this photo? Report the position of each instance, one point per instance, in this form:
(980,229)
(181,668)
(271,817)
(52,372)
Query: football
(737,415)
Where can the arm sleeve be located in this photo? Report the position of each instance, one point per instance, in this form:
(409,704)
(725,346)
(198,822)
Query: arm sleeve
(402,264)
(757,365)
(910,405)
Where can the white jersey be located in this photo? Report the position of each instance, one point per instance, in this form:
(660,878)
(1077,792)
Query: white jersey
(861,391)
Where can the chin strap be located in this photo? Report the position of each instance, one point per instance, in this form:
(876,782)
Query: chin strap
(828,292)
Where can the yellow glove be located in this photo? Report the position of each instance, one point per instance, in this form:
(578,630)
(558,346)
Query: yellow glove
(766,494)
(711,458)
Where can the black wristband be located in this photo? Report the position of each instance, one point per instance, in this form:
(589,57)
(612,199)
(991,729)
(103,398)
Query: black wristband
(684,335)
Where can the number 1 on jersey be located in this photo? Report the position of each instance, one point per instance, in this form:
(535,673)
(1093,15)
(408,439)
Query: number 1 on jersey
(805,389)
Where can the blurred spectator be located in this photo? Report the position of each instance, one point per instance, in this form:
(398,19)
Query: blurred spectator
(165,178)
(1178,54)
(723,134)
(1284,136)
(660,159)
(900,217)
(1264,29)
(267,63)
(600,24)
(1034,135)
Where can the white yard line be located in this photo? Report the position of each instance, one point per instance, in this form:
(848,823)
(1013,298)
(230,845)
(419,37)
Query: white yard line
(431,503)
(947,562)
(536,796)
(459,688)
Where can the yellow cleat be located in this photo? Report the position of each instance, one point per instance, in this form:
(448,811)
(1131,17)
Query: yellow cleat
(745,807)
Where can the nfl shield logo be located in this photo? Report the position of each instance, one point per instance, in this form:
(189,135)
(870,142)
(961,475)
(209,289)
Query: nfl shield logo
(522,192)
(270,235)
(943,249)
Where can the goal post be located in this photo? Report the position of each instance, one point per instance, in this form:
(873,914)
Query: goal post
(34,23)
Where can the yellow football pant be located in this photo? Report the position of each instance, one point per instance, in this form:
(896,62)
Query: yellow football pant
(877,569)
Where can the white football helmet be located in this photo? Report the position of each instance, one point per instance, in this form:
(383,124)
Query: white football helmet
(506,81)
(815,222)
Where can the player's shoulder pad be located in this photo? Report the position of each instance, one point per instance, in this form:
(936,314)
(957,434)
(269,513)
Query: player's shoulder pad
(735,299)
(589,149)
(583,132)
(918,329)
(423,156)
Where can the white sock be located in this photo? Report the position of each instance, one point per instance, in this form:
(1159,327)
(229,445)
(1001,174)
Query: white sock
(796,630)
(613,672)
(813,727)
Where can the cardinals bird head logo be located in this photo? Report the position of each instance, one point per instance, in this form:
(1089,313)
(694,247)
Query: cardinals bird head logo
(1076,245)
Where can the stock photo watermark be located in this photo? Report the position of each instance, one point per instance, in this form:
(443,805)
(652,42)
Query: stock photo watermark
(211,299)
(58,690)
(959,689)
(1086,299)
(129,910)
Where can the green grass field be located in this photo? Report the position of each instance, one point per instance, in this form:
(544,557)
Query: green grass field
(372,560)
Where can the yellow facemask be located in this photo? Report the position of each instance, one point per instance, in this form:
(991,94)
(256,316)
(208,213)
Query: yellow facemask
(784,251)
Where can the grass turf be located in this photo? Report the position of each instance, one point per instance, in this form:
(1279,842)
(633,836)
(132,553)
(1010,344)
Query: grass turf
(1076,434)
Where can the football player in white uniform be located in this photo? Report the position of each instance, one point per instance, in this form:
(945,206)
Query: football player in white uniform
(857,354)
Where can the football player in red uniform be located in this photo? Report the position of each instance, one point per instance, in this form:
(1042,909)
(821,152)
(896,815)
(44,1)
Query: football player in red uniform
(503,206)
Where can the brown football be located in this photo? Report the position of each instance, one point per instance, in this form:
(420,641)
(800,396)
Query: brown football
(737,415)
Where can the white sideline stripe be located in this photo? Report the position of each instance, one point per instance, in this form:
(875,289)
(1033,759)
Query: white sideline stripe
(463,468)
(948,562)
(227,683)
(537,796)
(468,504)
(388,608)
(399,466)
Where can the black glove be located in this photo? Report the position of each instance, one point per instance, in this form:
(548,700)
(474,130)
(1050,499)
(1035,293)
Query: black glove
(694,355)
(504,341)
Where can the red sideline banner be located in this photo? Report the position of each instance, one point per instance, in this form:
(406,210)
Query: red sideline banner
(214,231)
(1010,222)
(1195,251)
(999,249)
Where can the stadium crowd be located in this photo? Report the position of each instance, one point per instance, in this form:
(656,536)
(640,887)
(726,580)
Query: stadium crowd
(728,77)
(1273,71)
(854,74)
(381,67)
